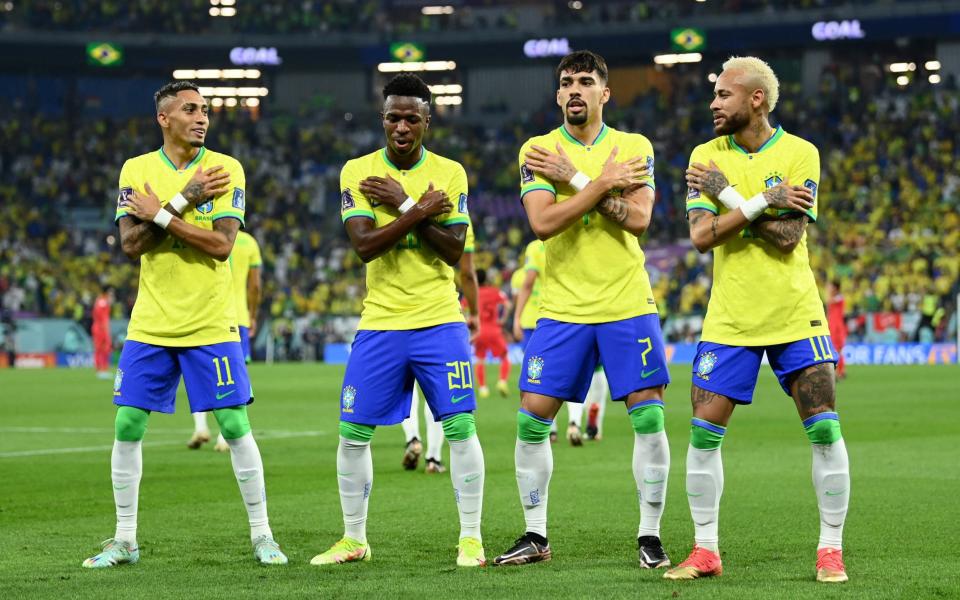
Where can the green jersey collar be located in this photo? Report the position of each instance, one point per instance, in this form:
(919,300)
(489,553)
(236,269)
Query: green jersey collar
(169,163)
(777,134)
(386,159)
(602,134)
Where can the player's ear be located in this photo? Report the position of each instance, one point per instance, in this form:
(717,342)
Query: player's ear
(757,98)
(162,120)
(606,95)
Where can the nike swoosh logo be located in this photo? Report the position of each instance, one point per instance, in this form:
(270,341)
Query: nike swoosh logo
(654,481)
(470,478)
(829,493)
(455,399)
(344,474)
(245,479)
(222,396)
(692,495)
(121,487)
(644,374)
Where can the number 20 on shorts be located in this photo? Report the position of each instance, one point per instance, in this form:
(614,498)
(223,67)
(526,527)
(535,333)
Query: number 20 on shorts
(460,375)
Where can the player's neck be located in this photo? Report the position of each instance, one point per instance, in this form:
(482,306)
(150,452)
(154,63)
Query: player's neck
(586,133)
(752,137)
(405,162)
(180,156)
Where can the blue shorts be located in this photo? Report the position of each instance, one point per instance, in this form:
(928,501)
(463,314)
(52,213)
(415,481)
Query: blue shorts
(245,343)
(148,376)
(561,357)
(383,365)
(526,338)
(732,370)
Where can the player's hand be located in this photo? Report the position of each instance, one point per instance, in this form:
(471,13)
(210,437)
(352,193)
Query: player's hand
(386,190)
(708,179)
(622,175)
(784,196)
(211,183)
(253,326)
(433,202)
(142,205)
(555,167)
(473,324)
(517,331)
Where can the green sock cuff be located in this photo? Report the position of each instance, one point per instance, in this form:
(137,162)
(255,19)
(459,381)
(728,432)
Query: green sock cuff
(234,422)
(357,431)
(705,435)
(130,424)
(459,427)
(647,417)
(531,428)
(824,431)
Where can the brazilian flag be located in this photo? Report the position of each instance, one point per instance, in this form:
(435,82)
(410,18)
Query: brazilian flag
(104,54)
(688,39)
(407,52)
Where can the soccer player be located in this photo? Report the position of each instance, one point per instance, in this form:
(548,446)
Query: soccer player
(764,300)
(100,331)
(411,327)
(494,304)
(245,264)
(837,322)
(183,322)
(589,202)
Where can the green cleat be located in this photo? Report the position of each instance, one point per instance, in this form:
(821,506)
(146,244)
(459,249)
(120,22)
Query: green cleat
(114,552)
(267,551)
(470,553)
(346,550)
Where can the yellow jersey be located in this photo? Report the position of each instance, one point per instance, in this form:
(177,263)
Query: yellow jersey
(185,297)
(409,286)
(760,296)
(245,256)
(594,270)
(533,261)
(470,242)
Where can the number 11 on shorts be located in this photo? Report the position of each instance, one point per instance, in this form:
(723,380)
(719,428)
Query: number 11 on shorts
(226,367)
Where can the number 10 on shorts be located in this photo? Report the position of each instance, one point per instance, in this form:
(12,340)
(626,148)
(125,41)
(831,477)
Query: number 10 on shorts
(460,375)
(226,367)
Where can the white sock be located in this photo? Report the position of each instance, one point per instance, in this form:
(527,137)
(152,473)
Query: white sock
(597,394)
(411,425)
(534,468)
(466,473)
(651,466)
(354,478)
(704,488)
(200,422)
(831,480)
(126,467)
(248,467)
(575,412)
(434,439)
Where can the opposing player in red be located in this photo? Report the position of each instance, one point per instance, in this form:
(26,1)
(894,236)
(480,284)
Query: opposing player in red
(490,339)
(100,331)
(837,322)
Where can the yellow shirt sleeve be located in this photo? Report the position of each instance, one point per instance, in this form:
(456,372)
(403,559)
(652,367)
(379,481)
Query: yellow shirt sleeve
(233,203)
(457,193)
(695,199)
(530,181)
(256,259)
(470,244)
(644,148)
(126,189)
(352,202)
(806,172)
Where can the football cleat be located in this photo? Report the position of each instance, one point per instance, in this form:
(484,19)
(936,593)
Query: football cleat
(346,550)
(470,553)
(652,555)
(527,549)
(700,563)
(502,388)
(592,429)
(113,553)
(198,439)
(830,567)
(411,456)
(573,435)
(435,466)
(267,551)
(483,392)
(221,445)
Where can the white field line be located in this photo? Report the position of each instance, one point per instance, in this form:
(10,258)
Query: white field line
(265,435)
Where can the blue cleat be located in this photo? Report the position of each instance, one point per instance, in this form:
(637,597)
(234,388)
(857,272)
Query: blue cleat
(114,552)
(267,551)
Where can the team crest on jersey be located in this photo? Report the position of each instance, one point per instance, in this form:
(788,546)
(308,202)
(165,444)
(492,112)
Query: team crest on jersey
(534,369)
(125,195)
(239,201)
(650,167)
(349,398)
(526,175)
(812,186)
(346,201)
(706,364)
(693,193)
(463,203)
(117,380)
(206,207)
(773,180)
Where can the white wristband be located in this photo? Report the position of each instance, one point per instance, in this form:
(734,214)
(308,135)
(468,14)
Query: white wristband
(754,207)
(580,181)
(731,198)
(407,205)
(178,203)
(162,218)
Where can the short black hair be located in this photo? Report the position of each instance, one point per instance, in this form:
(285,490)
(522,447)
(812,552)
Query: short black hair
(482,277)
(171,89)
(583,61)
(407,84)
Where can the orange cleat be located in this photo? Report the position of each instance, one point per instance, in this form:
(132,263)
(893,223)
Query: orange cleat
(700,563)
(830,567)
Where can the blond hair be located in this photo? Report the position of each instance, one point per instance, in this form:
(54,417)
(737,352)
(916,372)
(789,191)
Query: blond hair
(756,74)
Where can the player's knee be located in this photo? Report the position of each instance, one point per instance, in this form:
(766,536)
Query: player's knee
(131,423)
(531,428)
(459,427)
(705,435)
(233,422)
(823,428)
(357,432)
(647,418)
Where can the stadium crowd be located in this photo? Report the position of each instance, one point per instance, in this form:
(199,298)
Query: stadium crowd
(888,229)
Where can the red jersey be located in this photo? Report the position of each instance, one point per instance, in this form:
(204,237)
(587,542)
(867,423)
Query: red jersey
(836,318)
(490,299)
(101,316)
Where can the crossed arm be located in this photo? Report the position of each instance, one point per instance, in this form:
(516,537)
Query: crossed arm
(137,238)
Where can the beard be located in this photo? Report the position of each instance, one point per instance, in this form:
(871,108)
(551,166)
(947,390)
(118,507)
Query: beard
(734,123)
(578,119)
(196,143)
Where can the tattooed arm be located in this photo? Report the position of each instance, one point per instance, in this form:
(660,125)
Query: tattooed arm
(707,230)
(139,237)
(632,210)
(783,233)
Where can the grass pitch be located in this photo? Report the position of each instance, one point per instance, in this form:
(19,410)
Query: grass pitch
(900,424)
